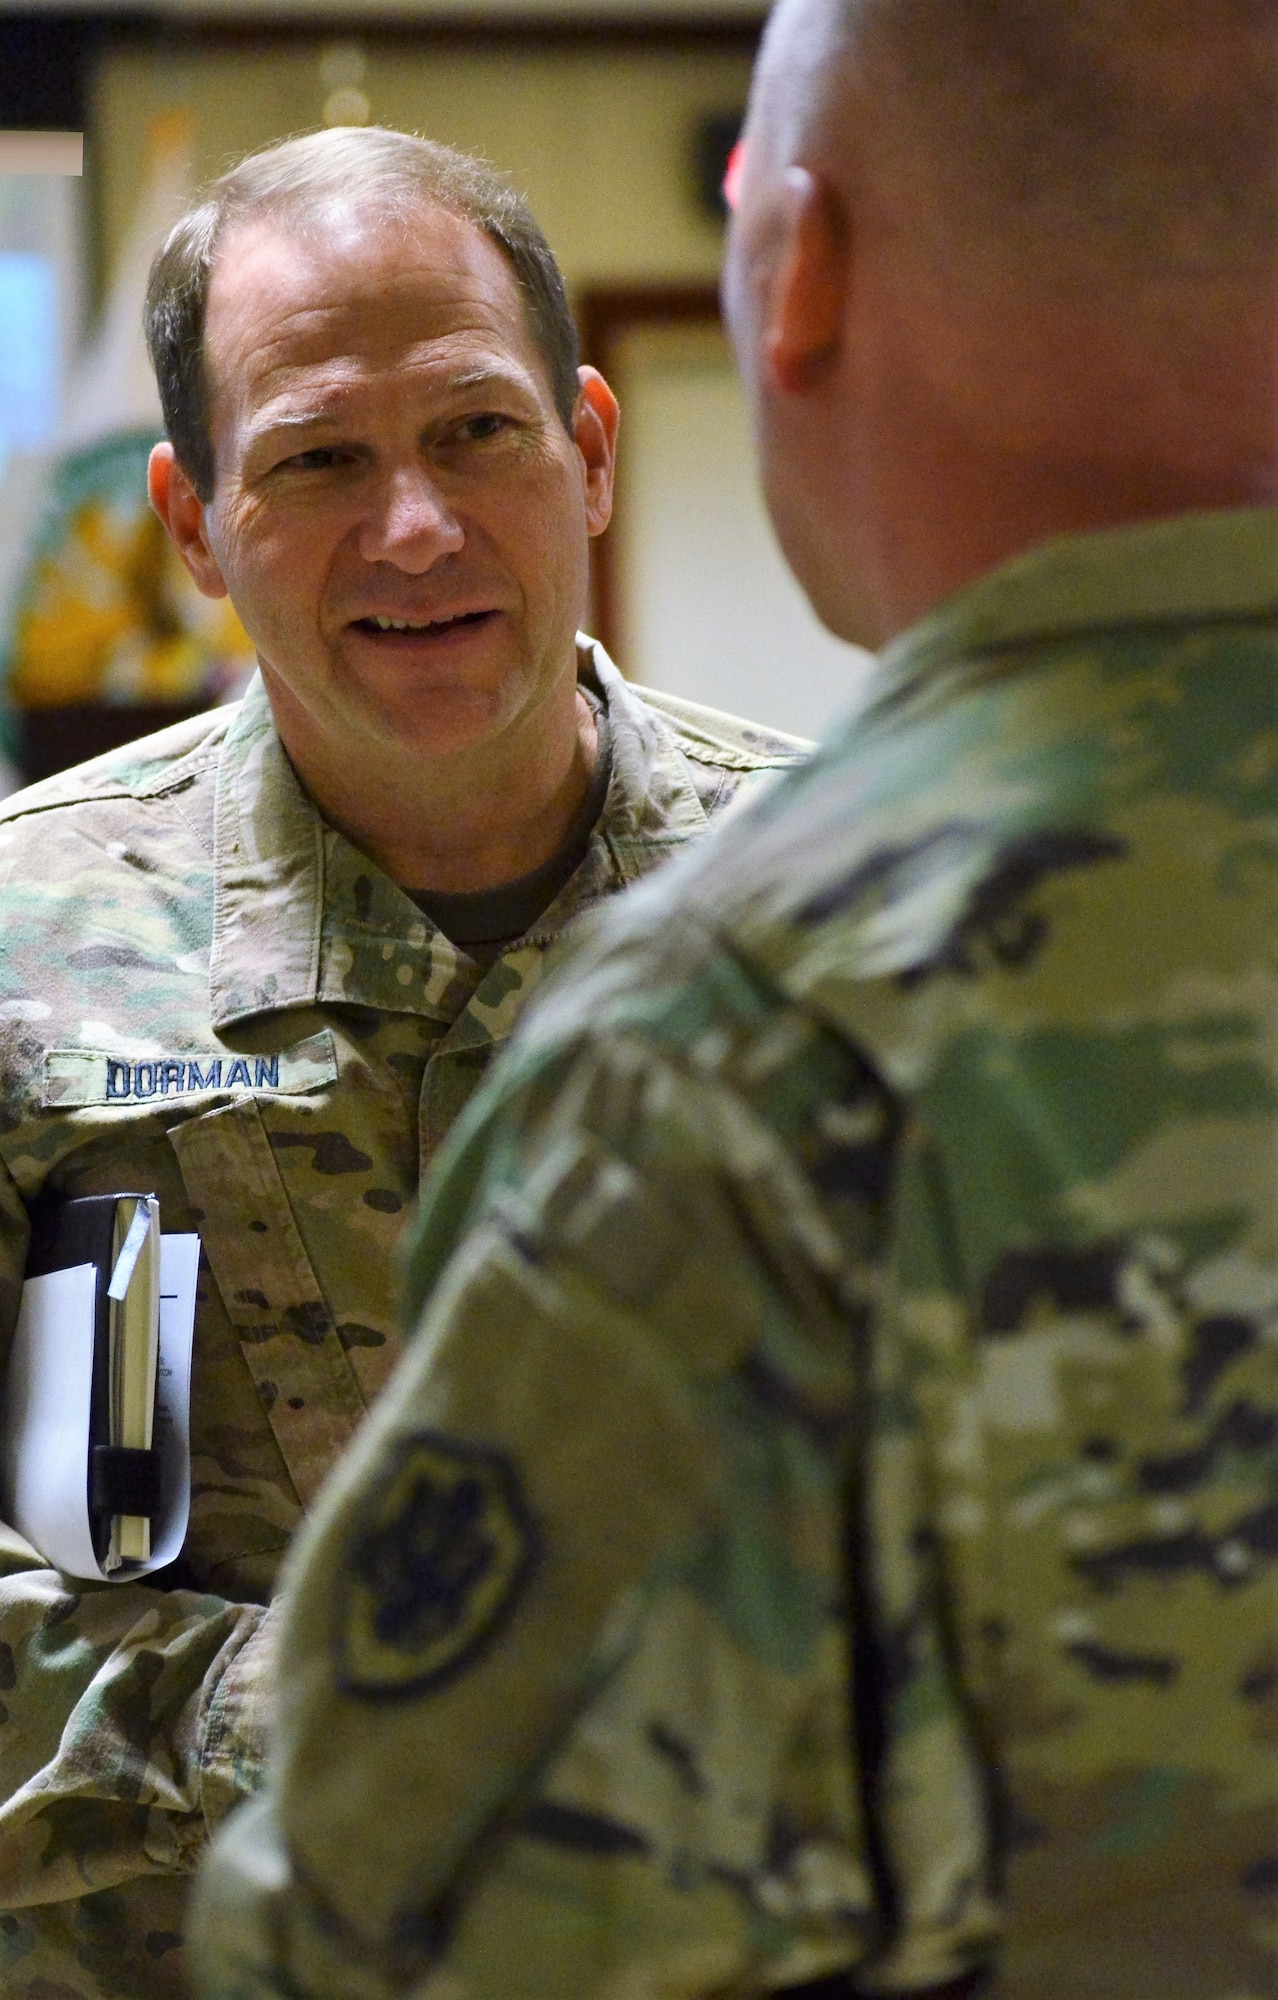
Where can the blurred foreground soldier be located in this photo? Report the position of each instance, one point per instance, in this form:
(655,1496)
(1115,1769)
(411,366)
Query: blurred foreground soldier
(257,963)
(825,1531)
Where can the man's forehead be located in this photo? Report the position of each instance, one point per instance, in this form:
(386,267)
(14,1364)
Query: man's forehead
(285,296)
(358,264)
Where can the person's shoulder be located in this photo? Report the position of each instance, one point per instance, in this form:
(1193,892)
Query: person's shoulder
(95,835)
(970,800)
(660,958)
(708,736)
(711,736)
(168,761)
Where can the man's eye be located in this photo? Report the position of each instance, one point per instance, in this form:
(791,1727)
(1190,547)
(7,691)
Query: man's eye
(318,459)
(487,424)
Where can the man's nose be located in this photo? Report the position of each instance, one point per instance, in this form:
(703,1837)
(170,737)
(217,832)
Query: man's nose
(411,523)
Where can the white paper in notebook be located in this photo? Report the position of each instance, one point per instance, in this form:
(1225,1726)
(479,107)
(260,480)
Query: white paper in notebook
(44,1422)
(46,1417)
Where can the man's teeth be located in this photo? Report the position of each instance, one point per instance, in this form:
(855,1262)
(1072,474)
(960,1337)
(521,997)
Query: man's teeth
(382,623)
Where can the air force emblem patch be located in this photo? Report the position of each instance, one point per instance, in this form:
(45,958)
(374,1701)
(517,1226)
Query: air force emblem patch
(443,1551)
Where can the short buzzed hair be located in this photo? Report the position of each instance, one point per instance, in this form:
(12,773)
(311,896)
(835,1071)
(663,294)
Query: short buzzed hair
(302,183)
(1143,128)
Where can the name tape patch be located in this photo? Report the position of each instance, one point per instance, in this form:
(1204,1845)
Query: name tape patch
(75,1077)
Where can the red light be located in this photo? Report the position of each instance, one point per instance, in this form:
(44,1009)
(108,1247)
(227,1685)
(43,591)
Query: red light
(732,177)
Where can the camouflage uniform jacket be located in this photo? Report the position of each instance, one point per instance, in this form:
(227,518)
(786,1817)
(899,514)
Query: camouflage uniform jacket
(829,1516)
(208,992)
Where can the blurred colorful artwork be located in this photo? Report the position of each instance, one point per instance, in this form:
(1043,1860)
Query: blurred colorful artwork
(106,612)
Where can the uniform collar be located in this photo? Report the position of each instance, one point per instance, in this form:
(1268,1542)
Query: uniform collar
(1186,570)
(304,918)
(651,802)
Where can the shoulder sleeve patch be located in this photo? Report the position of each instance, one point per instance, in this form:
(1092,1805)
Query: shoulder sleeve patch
(442,1550)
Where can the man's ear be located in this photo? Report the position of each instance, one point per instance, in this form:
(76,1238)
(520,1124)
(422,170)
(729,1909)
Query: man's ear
(180,508)
(808,292)
(594,429)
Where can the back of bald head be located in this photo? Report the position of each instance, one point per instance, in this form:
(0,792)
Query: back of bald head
(1136,135)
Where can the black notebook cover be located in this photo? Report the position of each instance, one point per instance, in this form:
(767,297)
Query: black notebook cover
(64,1234)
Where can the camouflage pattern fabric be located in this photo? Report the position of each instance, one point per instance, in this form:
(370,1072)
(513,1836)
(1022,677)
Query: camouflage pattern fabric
(828,1517)
(209,993)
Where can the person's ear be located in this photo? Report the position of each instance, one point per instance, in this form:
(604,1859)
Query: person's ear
(808,293)
(594,430)
(180,508)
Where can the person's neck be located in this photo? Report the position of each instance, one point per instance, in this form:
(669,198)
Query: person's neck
(968,460)
(463,822)
(1005,506)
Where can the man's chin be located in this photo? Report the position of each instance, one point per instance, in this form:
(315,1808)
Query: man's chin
(413,707)
(796,491)
(433,732)
(846,614)
(832,588)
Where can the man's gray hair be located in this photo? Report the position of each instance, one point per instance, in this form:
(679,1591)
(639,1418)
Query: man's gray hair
(300,184)
(1142,129)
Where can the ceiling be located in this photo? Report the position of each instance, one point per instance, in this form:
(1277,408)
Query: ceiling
(590,14)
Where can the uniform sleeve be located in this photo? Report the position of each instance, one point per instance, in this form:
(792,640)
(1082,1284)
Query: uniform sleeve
(131,1718)
(565,1668)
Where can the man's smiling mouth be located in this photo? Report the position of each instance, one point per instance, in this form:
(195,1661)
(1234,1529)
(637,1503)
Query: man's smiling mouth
(378,623)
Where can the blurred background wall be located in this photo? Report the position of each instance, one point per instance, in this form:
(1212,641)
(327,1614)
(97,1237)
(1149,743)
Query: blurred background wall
(617,129)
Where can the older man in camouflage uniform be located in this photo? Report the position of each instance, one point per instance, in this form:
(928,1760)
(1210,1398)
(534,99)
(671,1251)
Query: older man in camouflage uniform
(824,1536)
(256,964)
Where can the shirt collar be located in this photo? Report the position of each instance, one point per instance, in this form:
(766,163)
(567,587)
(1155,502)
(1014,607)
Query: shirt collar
(651,803)
(1188,569)
(303,918)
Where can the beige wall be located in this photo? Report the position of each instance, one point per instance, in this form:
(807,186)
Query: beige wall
(705,606)
(599,138)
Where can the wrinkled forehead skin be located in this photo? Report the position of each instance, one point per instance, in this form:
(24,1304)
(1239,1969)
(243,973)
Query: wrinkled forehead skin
(354,291)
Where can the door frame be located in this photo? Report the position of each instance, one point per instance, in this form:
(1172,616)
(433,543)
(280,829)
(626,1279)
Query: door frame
(606,315)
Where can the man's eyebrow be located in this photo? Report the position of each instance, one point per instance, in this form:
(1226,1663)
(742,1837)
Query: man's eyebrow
(480,375)
(291,424)
(287,423)
(484,375)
